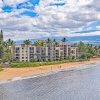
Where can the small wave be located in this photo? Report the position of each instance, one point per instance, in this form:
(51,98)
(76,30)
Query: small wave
(16,78)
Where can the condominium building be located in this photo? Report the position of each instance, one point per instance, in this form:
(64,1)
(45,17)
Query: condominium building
(51,52)
(24,53)
(42,53)
(73,51)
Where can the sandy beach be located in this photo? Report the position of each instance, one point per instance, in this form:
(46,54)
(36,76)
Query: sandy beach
(10,73)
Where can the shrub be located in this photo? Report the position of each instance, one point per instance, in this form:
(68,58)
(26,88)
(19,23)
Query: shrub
(37,64)
(1,69)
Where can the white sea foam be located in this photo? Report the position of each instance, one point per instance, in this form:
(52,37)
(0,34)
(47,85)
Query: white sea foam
(16,78)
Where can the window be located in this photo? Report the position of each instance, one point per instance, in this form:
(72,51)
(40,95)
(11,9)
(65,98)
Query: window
(31,49)
(38,51)
(17,48)
(17,57)
(73,52)
(17,54)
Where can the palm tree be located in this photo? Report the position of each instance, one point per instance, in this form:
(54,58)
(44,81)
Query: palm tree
(36,43)
(39,43)
(10,42)
(64,40)
(27,42)
(5,44)
(10,45)
(48,40)
(55,42)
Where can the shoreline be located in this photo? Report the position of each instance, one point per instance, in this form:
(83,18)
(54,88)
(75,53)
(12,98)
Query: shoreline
(85,66)
(9,74)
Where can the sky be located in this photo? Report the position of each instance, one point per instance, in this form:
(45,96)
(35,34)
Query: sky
(31,19)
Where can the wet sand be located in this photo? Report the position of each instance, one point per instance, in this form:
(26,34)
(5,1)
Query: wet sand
(10,73)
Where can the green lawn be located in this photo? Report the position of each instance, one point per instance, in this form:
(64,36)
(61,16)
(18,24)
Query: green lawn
(1,69)
(37,64)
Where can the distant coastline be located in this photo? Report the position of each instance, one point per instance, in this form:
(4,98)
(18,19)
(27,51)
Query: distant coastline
(95,40)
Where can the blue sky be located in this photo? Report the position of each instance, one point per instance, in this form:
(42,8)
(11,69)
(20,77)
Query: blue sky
(31,19)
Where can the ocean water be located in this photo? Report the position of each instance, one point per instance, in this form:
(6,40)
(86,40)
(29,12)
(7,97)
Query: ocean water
(81,84)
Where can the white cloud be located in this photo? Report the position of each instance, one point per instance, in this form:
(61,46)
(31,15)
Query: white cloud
(98,27)
(96,33)
(13,2)
(1,3)
(14,13)
(52,20)
(23,35)
(72,16)
(68,34)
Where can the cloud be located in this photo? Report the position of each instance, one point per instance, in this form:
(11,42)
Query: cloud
(95,33)
(23,35)
(98,27)
(63,19)
(13,2)
(72,15)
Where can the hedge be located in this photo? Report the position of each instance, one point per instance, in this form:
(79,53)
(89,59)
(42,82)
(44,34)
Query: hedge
(37,64)
(1,69)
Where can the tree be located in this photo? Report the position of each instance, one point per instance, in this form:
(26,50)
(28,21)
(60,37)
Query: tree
(64,40)
(10,45)
(37,43)
(82,47)
(6,55)
(55,42)
(88,50)
(10,42)
(35,58)
(46,58)
(1,49)
(1,36)
(61,58)
(48,40)
(27,42)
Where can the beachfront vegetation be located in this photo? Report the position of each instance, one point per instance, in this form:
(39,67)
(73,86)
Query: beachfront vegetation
(1,69)
(6,49)
(37,64)
(27,42)
(88,50)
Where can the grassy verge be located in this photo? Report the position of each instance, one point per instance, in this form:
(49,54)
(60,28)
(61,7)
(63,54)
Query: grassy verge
(37,64)
(1,69)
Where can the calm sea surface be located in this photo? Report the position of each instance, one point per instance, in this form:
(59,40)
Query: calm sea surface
(65,85)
